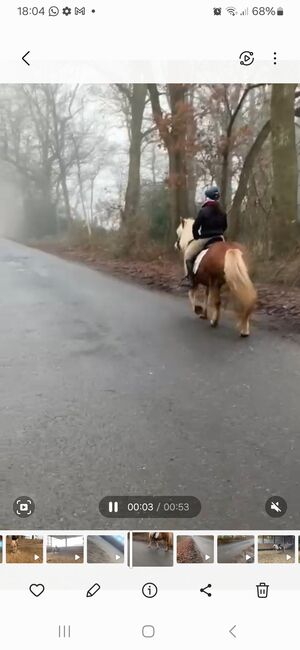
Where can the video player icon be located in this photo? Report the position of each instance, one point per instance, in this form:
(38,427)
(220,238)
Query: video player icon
(246,58)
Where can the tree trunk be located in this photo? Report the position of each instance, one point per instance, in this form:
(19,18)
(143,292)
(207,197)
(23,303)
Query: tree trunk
(235,212)
(59,127)
(285,174)
(228,141)
(65,191)
(173,132)
(191,166)
(132,196)
(177,151)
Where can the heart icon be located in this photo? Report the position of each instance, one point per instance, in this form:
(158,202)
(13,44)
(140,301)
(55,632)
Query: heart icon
(37,590)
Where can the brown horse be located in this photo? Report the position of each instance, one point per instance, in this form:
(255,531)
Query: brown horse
(156,537)
(222,263)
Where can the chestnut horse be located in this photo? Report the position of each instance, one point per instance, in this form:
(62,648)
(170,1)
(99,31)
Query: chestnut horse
(156,537)
(222,263)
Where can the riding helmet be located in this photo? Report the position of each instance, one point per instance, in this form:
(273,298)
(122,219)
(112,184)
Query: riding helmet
(213,193)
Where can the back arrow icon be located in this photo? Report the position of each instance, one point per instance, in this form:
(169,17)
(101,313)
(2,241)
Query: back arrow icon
(231,631)
(24,57)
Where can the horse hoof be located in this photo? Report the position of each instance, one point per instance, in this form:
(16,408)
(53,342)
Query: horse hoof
(198,310)
(214,323)
(203,315)
(244,336)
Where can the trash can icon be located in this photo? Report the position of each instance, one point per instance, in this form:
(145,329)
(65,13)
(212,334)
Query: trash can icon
(262,590)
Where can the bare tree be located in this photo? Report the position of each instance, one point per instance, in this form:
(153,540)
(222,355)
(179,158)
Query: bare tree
(136,98)
(285,167)
(174,128)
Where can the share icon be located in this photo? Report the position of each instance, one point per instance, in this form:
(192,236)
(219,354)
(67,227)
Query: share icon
(203,590)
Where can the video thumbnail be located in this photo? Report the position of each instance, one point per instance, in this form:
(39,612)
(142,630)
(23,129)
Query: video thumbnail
(105,549)
(195,549)
(152,549)
(24,549)
(65,549)
(276,549)
(236,549)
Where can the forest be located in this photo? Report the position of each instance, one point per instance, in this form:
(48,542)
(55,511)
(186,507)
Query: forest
(117,166)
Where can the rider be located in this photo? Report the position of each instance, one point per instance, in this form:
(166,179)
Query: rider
(210,222)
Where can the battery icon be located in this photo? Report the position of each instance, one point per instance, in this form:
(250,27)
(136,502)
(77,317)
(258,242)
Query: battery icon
(280,11)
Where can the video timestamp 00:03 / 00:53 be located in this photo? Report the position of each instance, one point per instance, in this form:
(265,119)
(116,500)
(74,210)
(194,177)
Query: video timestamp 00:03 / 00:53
(149,506)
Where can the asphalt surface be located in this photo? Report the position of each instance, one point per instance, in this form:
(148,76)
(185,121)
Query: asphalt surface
(110,388)
(142,555)
(205,546)
(101,550)
(236,551)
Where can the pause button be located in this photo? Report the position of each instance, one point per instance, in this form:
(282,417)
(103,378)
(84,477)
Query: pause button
(113,506)
(64,631)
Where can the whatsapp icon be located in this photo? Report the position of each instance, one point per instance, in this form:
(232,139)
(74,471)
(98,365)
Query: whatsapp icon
(53,11)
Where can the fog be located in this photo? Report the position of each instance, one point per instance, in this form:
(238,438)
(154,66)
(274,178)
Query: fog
(11,207)
(99,155)
(64,156)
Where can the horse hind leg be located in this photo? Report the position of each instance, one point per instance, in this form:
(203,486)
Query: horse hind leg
(214,305)
(205,305)
(196,301)
(192,298)
(244,324)
(196,307)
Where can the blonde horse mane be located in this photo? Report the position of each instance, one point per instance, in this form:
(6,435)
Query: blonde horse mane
(185,233)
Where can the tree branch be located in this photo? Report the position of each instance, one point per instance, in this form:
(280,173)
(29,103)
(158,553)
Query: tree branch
(254,150)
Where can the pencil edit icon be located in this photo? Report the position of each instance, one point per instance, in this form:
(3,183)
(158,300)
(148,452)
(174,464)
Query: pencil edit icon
(93,590)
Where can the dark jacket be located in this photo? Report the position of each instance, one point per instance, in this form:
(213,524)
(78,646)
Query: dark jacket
(210,222)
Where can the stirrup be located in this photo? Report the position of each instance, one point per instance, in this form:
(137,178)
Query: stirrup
(187,281)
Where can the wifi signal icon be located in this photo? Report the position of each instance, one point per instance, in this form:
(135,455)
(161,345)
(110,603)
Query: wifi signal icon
(232,11)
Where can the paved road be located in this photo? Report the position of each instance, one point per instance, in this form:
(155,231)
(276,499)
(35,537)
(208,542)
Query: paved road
(142,555)
(236,551)
(110,388)
(103,550)
(205,546)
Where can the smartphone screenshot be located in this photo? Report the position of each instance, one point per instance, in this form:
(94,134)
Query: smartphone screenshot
(150,324)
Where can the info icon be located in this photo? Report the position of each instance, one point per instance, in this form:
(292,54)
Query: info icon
(149,590)
(23,507)
(276,507)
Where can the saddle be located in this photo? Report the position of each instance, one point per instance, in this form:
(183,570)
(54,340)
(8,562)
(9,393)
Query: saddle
(213,240)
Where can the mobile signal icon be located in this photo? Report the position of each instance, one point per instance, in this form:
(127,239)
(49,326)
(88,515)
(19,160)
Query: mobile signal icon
(245,12)
(232,11)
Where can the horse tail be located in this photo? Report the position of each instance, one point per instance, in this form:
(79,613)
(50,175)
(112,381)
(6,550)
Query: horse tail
(238,280)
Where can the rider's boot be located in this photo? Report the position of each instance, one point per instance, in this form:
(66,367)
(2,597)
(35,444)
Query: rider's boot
(188,280)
